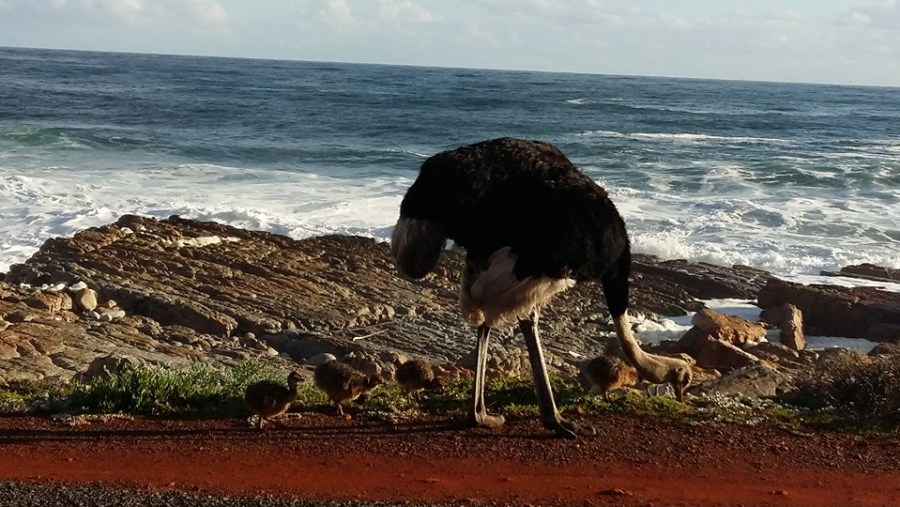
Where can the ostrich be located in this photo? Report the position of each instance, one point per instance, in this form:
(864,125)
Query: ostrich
(606,373)
(532,225)
(342,382)
(267,399)
(415,376)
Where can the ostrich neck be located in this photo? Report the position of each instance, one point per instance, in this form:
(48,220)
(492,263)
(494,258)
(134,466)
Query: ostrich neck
(629,343)
(646,365)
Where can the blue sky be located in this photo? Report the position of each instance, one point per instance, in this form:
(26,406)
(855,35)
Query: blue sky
(830,41)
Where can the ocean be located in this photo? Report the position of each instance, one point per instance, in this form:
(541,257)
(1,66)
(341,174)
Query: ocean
(791,178)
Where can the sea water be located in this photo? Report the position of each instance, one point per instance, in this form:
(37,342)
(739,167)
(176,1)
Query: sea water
(791,178)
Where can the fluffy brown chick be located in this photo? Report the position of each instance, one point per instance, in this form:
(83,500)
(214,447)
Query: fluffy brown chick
(414,376)
(606,373)
(267,399)
(342,382)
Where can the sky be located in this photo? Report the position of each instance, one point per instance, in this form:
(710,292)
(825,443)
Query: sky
(811,41)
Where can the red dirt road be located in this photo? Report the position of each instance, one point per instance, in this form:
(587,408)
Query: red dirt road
(631,462)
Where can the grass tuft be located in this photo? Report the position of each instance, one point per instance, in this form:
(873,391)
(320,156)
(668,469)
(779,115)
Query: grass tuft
(859,395)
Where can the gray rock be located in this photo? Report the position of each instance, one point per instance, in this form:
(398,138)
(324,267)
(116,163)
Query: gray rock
(758,381)
(319,359)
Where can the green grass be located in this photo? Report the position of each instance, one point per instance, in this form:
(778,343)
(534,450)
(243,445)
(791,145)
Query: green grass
(201,390)
(33,396)
(154,390)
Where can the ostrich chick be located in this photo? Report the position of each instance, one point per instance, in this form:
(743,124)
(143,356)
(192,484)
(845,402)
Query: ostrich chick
(416,375)
(342,382)
(606,373)
(267,399)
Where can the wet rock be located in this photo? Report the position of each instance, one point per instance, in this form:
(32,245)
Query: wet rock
(792,328)
(789,320)
(702,280)
(857,312)
(868,272)
(886,349)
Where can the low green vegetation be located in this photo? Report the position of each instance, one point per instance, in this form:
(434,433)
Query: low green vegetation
(843,395)
(856,391)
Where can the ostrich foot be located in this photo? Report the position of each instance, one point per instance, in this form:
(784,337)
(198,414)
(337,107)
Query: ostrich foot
(484,420)
(569,429)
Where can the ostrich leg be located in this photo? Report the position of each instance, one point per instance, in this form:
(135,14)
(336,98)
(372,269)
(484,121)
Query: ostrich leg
(549,414)
(479,415)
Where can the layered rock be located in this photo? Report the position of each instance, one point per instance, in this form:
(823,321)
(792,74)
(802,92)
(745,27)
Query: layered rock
(173,291)
(868,272)
(190,289)
(716,340)
(858,312)
(789,319)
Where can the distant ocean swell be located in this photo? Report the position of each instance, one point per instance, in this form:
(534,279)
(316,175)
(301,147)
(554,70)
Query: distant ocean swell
(789,178)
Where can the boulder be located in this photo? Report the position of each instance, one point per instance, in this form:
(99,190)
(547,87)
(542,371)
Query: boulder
(106,366)
(728,328)
(868,272)
(886,349)
(318,359)
(779,354)
(715,340)
(792,328)
(789,319)
(716,354)
(855,312)
(757,381)
(85,299)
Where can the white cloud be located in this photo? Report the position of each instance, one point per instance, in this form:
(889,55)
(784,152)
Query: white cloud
(337,13)
(404,11)
(209,12)
(143,12)
(123,9)
(574,11)
(885,16)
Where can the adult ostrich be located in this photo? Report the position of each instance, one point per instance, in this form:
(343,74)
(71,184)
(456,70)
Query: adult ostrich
(532,225)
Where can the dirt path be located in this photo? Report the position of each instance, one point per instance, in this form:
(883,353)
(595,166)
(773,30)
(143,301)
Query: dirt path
(631,461)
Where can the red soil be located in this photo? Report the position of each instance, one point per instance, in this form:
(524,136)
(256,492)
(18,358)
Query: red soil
(630,462)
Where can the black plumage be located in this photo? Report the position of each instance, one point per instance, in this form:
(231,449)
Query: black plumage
(525,195)
(531,224)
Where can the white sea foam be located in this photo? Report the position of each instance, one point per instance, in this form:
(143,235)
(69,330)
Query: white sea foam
(683,137)
(782,233)
(47,203)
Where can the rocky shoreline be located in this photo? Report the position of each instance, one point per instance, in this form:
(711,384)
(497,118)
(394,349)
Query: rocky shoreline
(177,290)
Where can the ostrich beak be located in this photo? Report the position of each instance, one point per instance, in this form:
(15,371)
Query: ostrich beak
(679,393)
